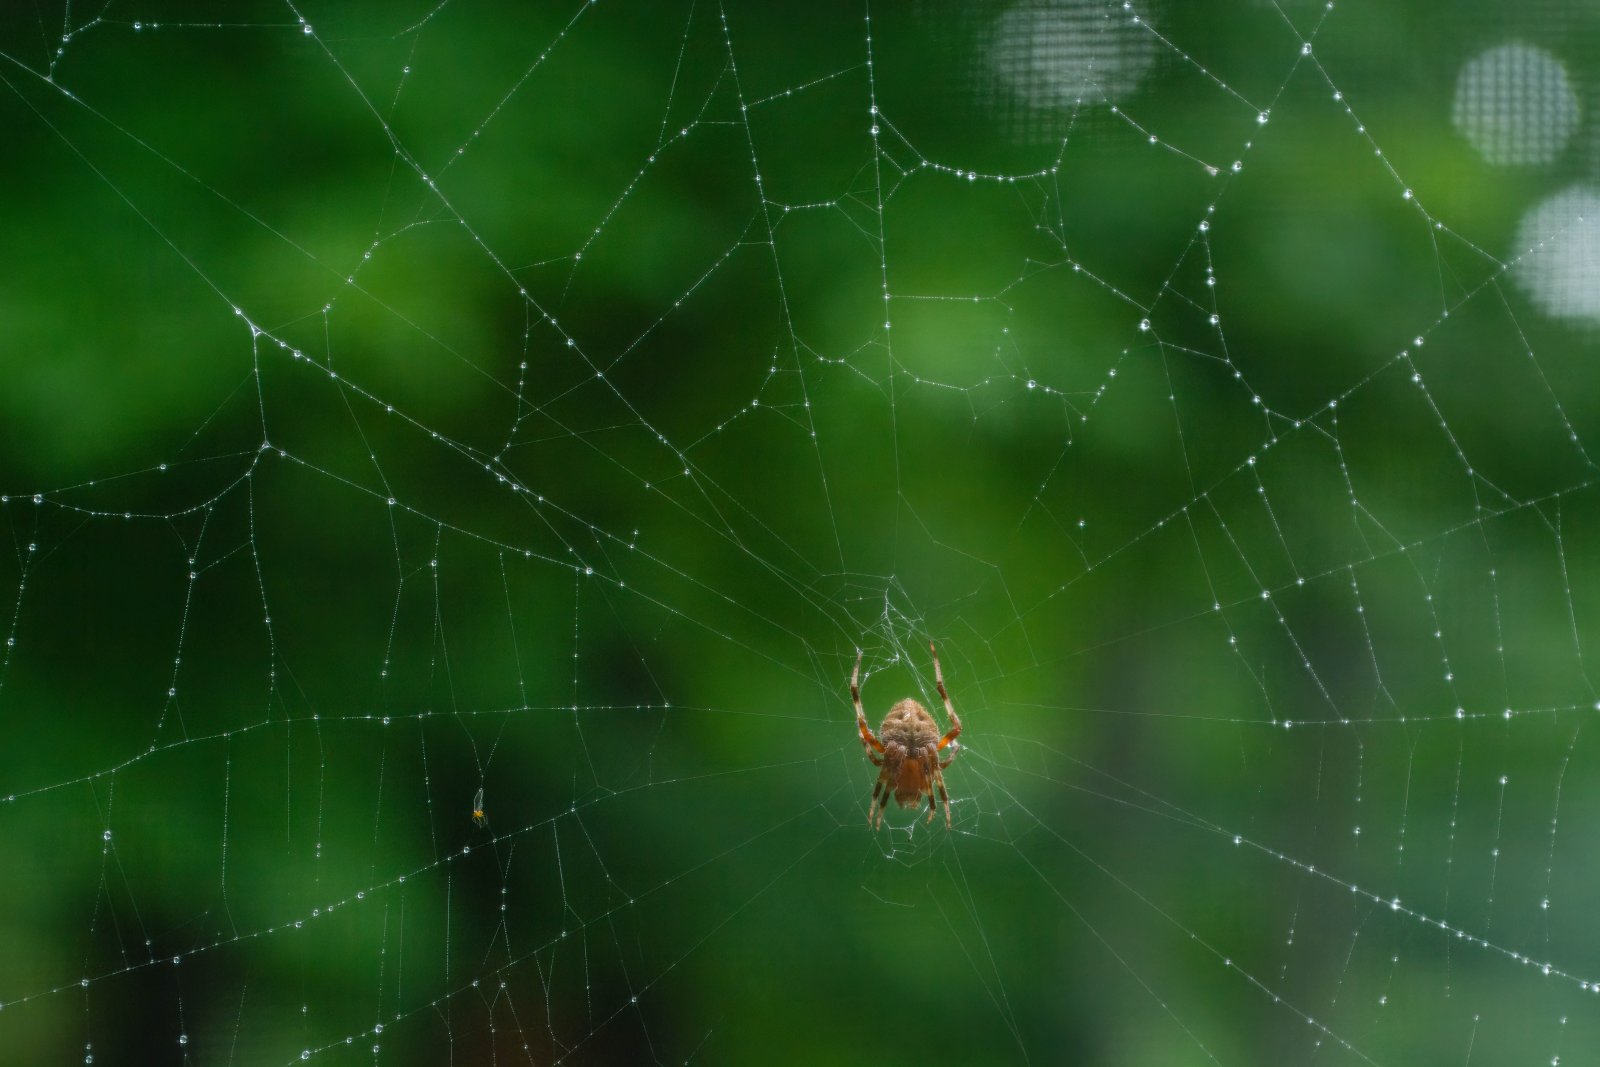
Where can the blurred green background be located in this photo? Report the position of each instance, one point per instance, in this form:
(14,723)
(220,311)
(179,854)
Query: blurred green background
(400,400)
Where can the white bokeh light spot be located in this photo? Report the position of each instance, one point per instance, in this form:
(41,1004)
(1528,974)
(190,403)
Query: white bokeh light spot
(1559,240)
(1061,54)
(1515,104)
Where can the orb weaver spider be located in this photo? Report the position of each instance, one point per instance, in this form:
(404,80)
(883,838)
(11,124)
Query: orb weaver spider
(910,749)
(478,817)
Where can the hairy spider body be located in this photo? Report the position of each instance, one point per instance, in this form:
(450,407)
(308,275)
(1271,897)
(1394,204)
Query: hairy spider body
(906,729)
(907,748)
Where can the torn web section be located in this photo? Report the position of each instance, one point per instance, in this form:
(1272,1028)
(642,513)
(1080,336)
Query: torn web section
(1266,520)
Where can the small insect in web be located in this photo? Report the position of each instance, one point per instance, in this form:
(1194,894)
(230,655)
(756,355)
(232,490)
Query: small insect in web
(478,817)
(908,751)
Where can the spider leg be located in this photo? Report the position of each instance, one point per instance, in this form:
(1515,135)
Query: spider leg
(868,739)
(939,780)
(949,708)
(883,789)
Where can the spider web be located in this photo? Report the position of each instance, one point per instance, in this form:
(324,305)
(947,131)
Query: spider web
(415,406)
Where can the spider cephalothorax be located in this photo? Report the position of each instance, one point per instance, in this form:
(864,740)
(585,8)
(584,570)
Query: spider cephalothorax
(907,750)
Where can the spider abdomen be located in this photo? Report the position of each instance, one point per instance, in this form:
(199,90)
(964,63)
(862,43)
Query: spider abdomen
(909,725)
(911,785)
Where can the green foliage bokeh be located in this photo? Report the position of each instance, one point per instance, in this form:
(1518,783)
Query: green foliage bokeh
(398,403)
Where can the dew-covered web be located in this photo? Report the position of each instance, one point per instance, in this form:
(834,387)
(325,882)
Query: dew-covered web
(453,454)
